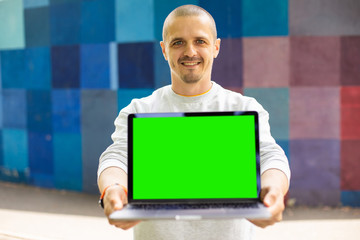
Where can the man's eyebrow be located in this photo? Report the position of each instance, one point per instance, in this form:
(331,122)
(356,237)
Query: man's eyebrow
(176,39)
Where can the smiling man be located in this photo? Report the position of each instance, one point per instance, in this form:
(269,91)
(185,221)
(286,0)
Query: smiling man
(190,45)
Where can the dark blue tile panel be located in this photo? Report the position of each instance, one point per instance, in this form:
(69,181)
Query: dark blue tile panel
(98,111)
(135,65)
(161,68)
(95,66)
(350,198)
(14,108)
(227,15)
(15,149)
(39,111)
(265,18)
(315,168)
(1,149)
(13,73)
(126,95)
(65,23)
(65,66)
(37,27)
(98,21)
(67,161)
(66,111)
(41,158)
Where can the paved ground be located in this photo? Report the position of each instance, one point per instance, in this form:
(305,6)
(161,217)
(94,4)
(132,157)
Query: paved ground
(29,213)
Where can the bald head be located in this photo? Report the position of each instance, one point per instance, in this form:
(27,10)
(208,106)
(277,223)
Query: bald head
(188,11)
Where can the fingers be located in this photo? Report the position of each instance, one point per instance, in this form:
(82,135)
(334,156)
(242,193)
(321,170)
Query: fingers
(274,200)
(115,199)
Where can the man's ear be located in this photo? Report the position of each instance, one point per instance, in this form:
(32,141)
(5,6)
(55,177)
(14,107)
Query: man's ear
(162,44)
(217,47)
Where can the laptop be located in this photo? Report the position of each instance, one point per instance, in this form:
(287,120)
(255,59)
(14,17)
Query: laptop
(193,165)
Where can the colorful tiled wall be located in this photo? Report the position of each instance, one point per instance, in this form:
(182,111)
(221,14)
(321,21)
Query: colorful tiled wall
(68,66)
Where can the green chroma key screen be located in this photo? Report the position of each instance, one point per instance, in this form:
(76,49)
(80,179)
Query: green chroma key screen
(194,157)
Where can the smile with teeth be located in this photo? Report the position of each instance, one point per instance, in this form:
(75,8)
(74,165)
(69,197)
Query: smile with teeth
(190,63)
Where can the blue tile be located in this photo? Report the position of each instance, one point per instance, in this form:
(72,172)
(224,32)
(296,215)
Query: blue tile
(350,198)
(14,108)
(126,12)
(40,153)
(126,95)
(35,3)
(65,66)
(114,73)
(265,18)
(284,144)
(39,111)
(161,68)
(67,149)
(135,65)
(1,149)
(1,108)
(97,21)
(15,149)
(227,15)
(66,111)
(42,180)
(276,102)
(95,66)
(12,24)
(98,111)
(38,68)
(65,23)
(13,69)
(37,27)
(162,9)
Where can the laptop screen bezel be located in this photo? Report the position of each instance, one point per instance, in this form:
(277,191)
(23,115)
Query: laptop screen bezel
(132,116)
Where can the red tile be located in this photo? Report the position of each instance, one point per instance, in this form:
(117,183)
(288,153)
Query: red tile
(266,62)
(314,61)
(350,112)
(314,112)
(350,165)
(350,60)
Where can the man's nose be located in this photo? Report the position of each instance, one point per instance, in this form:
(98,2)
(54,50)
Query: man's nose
(190,50)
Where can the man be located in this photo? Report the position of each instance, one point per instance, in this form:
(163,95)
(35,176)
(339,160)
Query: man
(190,45)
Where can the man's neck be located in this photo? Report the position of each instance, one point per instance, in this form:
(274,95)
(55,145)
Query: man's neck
(191,89)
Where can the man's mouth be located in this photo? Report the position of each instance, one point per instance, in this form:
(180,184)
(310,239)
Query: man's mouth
(190,63)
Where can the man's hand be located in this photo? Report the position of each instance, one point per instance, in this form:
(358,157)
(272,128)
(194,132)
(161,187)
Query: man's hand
(273,199)
(115,199)
(274,187)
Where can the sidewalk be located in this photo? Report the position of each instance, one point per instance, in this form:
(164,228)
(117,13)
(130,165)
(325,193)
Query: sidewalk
(29,213)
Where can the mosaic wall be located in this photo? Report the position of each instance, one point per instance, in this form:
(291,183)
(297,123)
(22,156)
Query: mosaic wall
(67,67)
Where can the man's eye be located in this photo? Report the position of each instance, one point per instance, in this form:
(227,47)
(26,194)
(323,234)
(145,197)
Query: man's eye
(178,43)
(200,41)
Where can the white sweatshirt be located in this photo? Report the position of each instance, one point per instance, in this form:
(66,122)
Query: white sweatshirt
(217,99)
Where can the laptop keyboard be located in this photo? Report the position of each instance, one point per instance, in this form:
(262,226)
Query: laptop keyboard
(194,206)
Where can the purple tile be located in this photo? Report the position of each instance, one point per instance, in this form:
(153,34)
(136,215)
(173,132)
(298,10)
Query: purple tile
(266,62)
(314,61)
(350,60)
(227,68)
(315,168)
(314,113)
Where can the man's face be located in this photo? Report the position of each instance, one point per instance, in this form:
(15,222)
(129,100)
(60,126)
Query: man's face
(190,48)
